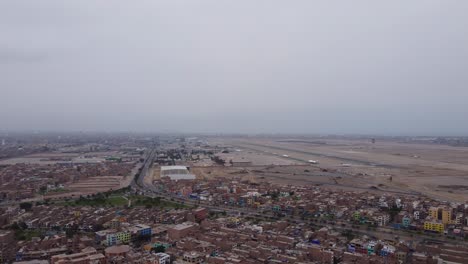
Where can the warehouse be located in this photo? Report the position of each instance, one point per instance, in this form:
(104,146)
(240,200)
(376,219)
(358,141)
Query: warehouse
(176,173)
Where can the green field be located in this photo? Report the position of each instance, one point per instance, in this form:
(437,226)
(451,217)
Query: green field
(27,235)
(154,202)
(96,201)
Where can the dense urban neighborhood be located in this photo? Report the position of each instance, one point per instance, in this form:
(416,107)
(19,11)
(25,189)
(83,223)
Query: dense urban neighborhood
(172,210)
(233,132)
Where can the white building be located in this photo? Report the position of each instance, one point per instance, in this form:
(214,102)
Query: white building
(382,219)
(163,258)
(459,219)
(416,215)
(176,173)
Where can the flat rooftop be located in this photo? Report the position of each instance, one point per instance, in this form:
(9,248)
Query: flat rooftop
(176,177)
(182,226)
(176,173)
(168,168)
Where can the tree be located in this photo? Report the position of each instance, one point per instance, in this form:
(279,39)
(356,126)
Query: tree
(159,249)
(23,225)
(98,227)
(157,200)
(43,189)
(275,195)
(394,211)
(15,226)
(26,206)
(70,232)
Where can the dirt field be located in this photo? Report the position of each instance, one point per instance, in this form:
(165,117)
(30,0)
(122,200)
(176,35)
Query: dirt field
(54,158)
(98,184)
(434,170)
(259,158)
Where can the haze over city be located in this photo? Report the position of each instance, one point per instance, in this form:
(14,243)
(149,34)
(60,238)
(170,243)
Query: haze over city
(233,132)
(365,67)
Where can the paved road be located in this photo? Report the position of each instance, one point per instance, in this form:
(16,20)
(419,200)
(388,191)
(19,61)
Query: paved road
(145,170)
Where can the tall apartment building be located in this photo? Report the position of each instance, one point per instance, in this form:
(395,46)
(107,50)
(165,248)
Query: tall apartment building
(444,214)
(434,212)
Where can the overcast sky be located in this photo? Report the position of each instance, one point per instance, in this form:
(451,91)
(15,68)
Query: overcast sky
(385,67)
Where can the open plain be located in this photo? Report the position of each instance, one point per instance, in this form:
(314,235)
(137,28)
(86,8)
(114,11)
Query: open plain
(389,165)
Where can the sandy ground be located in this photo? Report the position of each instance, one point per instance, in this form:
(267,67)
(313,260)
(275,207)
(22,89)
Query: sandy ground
(155,173)
(259,158)
(97,184)
(53,158)
(434,170)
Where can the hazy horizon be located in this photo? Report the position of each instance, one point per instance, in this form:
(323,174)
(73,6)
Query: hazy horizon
(12,132)
(301,67)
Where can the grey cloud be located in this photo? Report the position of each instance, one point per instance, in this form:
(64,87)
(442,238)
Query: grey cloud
(8,56)
(235,66)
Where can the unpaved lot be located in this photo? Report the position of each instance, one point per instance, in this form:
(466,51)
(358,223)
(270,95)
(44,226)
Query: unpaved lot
(434,170)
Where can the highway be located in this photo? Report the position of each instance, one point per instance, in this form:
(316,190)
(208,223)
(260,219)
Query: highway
(138,180)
